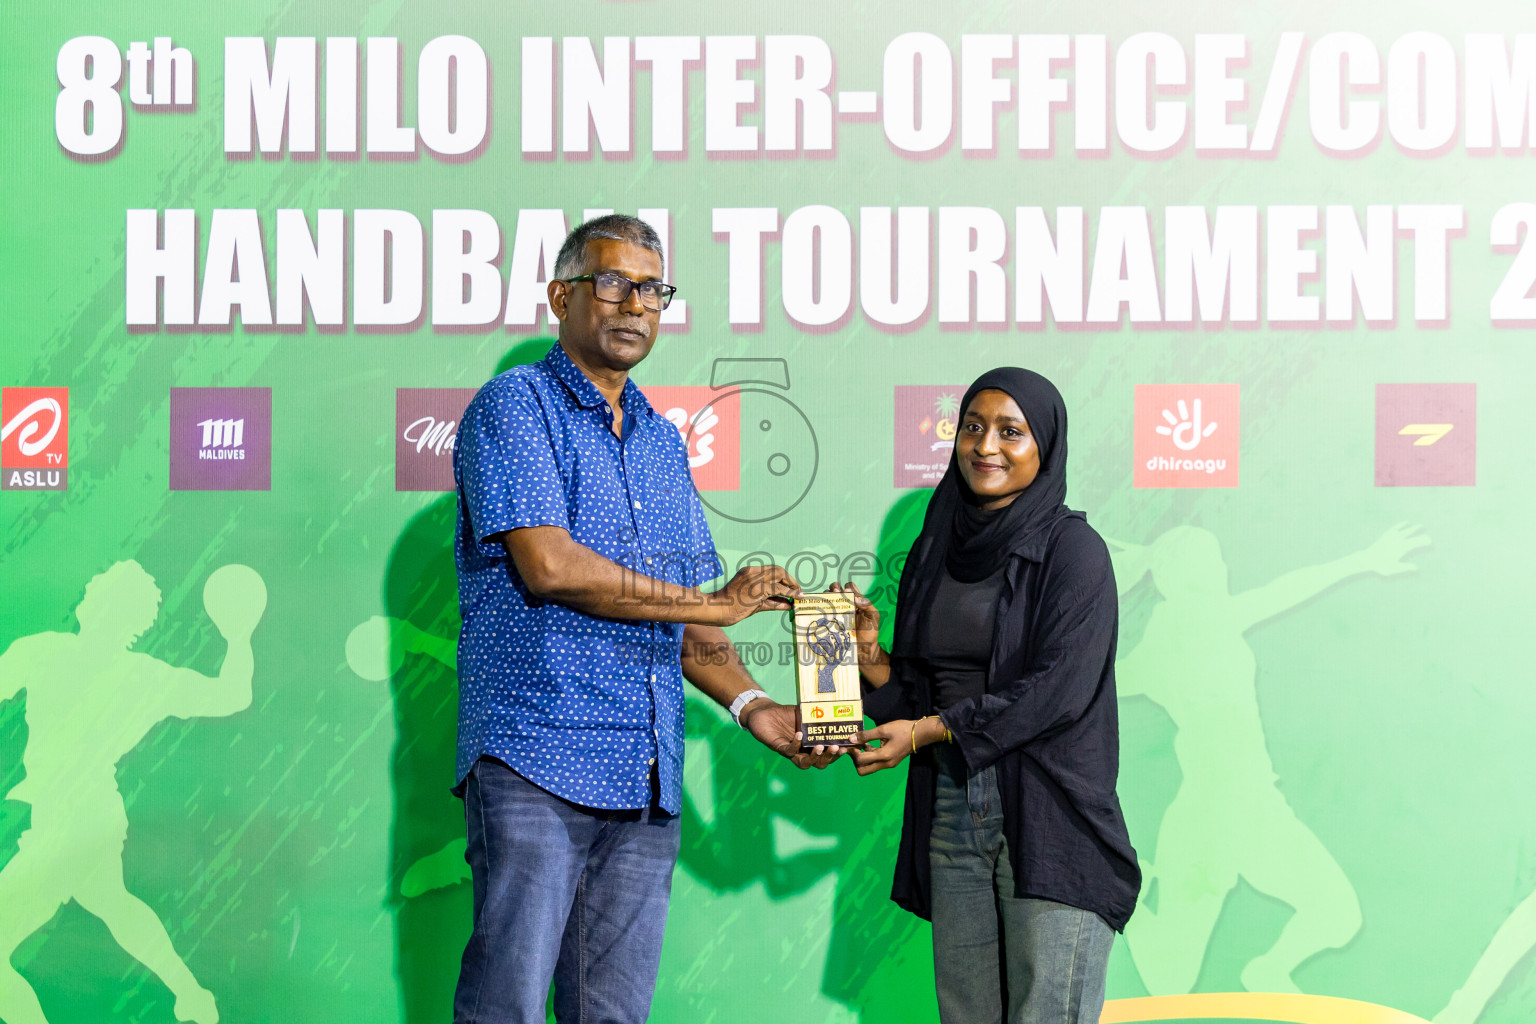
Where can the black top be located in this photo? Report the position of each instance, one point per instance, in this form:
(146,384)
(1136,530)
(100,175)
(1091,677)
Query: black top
(1049,724)
(959,641)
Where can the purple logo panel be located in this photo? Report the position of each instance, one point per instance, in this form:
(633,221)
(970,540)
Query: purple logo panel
(426,430)
(221,439)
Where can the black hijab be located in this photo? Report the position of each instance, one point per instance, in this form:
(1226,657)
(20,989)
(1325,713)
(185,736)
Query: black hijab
(969,543)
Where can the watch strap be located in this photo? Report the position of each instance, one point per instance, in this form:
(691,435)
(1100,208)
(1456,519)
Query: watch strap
(743,698)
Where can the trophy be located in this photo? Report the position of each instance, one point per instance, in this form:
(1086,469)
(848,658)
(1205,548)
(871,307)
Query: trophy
(831,706)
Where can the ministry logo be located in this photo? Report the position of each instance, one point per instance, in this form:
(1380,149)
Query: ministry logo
(221,439)
(1186,435)
(34,439)
(426,432)
(927,419)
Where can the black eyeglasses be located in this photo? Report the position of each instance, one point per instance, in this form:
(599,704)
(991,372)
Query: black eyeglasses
(616,288)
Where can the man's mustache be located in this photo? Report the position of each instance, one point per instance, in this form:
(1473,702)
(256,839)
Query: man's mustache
(624,323)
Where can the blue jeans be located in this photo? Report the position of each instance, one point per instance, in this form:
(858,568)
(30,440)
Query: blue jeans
(563,893)
(1045,962)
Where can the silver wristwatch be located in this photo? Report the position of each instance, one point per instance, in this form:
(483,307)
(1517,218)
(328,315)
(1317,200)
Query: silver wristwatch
(744,698)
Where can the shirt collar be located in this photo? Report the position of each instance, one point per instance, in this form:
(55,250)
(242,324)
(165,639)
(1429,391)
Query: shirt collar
(586,393)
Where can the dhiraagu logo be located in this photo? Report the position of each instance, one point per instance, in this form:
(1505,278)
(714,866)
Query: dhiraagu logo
(1186,435)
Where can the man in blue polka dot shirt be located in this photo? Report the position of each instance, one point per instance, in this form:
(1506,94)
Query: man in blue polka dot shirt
(581,546)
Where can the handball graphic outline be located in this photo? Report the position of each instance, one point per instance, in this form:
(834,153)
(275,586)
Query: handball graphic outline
(91,698)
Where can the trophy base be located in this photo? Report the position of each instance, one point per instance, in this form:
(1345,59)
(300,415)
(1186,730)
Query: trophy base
(844,733)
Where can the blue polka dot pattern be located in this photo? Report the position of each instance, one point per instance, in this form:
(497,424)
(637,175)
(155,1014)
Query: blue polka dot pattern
(578,705)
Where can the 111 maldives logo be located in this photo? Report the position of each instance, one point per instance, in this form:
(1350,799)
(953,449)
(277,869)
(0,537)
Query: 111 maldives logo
(34,439)
(221,439)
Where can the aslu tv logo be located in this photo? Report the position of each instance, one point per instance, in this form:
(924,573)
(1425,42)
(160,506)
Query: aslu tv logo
(34,439)
(1426,433)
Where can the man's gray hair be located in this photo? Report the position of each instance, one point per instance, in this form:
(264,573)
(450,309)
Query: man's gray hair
(573,260)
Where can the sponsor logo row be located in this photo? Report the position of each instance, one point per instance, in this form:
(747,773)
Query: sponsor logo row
(819,711)
(1188,435)
(221,439)
(1185,435)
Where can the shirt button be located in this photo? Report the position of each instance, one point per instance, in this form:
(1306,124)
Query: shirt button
(647,559)
(607,408)
(637,504)
(653,762)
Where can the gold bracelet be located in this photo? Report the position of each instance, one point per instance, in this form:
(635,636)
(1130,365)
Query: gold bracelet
(913,741)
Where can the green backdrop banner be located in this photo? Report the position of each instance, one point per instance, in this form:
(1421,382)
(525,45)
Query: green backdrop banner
(258,257)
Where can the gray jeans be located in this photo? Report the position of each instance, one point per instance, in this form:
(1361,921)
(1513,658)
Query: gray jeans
(1042,961)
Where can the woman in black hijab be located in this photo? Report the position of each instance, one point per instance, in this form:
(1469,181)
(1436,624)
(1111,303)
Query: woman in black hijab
(1001,678)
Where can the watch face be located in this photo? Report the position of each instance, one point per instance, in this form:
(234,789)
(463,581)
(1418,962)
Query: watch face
(779,456)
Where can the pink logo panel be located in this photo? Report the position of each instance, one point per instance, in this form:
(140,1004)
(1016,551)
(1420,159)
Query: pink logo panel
(1186,435)
(1426,435)
(710,426)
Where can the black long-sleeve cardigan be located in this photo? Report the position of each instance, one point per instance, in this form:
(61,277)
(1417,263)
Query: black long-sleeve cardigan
(1048,721)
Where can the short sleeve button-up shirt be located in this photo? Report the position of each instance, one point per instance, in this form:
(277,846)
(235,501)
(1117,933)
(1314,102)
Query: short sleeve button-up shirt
(581,706)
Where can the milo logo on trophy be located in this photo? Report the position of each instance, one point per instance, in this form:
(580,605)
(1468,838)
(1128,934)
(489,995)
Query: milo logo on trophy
(831,706)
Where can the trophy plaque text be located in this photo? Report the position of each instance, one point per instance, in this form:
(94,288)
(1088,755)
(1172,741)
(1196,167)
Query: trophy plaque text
(831,708)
